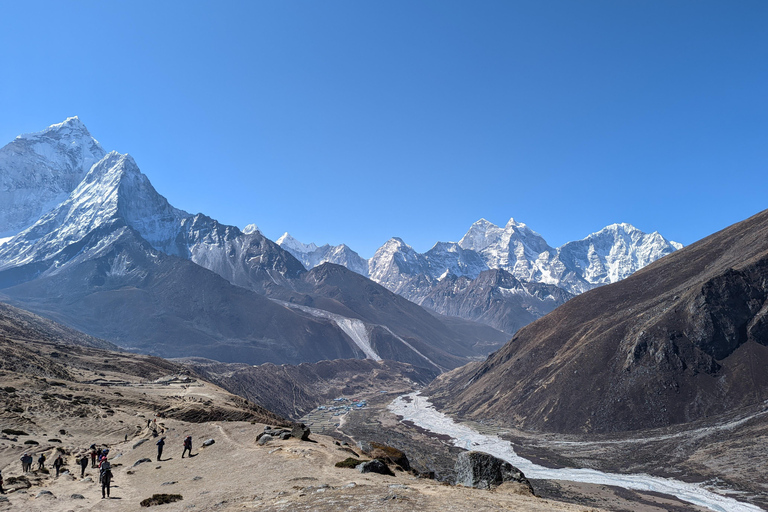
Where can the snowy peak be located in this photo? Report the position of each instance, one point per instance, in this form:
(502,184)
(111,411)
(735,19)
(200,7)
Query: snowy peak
(113,192)
(310,255)
(250,229)
(292,245)
(614,253)
(480,235)
(38,170)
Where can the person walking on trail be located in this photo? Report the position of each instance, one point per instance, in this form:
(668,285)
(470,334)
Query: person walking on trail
(187,446)
(83,465)
(93,456)
(160,445)
(26,463)
(41,462)
(104,465)
(105,477)
(57,465)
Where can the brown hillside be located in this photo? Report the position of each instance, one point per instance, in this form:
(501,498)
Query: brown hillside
(683,339)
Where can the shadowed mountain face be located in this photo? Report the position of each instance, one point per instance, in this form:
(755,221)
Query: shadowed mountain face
(147,301)
(398,329)
(20,325)
(683,339)
(495,298)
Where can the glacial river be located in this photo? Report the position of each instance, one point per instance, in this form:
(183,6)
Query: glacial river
(417,409)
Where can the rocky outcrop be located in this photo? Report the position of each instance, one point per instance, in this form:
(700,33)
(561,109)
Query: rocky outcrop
(386,454)
(484,471)
(374,466)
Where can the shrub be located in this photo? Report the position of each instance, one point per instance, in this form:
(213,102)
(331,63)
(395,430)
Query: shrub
(160,499)
(349,462)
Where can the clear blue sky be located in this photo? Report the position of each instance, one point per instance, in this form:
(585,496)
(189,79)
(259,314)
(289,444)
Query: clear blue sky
(355,121)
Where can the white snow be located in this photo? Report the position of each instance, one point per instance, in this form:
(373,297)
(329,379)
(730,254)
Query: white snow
(417,409)
(3,240)
(310,255)
(250,229)
(352,327)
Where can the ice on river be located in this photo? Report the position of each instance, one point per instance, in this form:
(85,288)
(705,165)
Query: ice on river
(419,410)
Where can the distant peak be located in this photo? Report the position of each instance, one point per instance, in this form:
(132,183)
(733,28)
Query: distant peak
(252,228)
(70,128)
(483,223)
(291,244)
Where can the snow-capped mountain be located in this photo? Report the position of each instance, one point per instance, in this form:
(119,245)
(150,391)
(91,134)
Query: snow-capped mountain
(113,191)
(604,257)
(310,255)
(614,253)
(439,277)
(38,171)
(114,258)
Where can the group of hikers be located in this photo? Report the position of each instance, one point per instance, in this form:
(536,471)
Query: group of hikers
(26,463)
(187,447)
(98,459)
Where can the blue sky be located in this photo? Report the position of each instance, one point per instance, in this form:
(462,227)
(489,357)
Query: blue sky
(349,121)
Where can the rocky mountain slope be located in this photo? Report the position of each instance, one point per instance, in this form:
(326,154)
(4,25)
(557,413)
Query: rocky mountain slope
(683,339)
(495,298)
(20,325)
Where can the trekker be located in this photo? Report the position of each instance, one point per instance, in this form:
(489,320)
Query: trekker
(187,446)
(26,463)
(93,456)
(41,462)
(57,465)
(160,445)
(83,465)
(105,477)
(103,466)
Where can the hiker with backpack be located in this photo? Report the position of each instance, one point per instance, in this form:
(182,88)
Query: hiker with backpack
(83,464)
(160,445)
(41,462)
(57,465)
(187,446)
(105,477)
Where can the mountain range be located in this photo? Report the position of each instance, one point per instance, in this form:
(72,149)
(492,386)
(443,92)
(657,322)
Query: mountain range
(503,277)
(116,260)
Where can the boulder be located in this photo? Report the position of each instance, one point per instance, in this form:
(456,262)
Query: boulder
(208,442)
(385,453)
(300,431)
(77,497)
(264,440)
(374,466)
(484,471)
(141,461)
